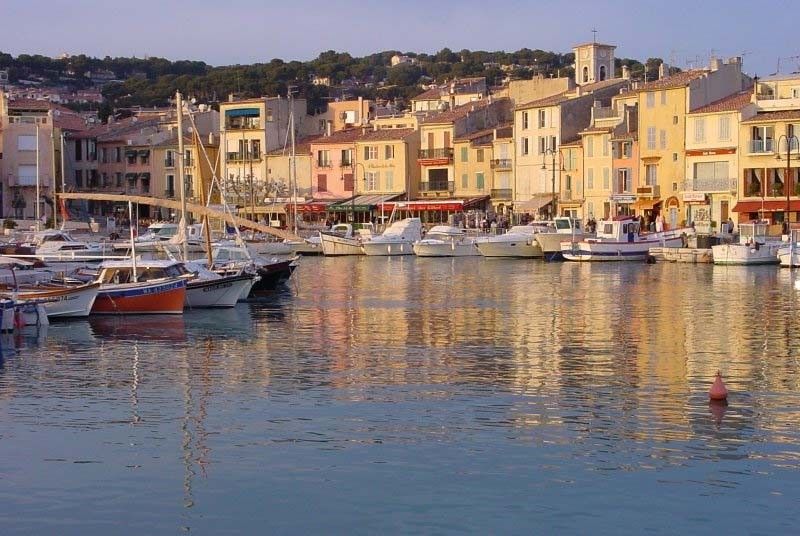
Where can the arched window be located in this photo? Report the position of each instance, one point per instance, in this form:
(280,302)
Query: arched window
(585,74)
(602,73)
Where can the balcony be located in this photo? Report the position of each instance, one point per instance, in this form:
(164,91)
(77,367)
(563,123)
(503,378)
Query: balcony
(169,194)
(501,164)
(503,194)
(762,146)
(244,123)
(651,190)
(345,164)
(438,186)
(710,185)
(169,162)
(435,157)
(236,157)
(325,165)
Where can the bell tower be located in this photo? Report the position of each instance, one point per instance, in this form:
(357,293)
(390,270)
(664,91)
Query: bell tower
(594,62)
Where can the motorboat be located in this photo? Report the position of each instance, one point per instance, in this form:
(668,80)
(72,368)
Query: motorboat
(123,292)
(754,247)
(55,245)
(565,229)
(236,259)
(59,301)
(518,242)
(307,246)
(397,239)
(621,239)
(343,239)
(789,253)
(446,241)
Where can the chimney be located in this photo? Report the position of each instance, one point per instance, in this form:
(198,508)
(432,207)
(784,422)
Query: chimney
(715,64)
(328,125)
(211,138)
(626,72)
(230,97)
(663,70)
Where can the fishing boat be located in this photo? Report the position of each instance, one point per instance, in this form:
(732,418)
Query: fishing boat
(620,239)
(343,239)
(565,229)
(58,301)
(446,241)
(754,247)
(518,242)
(789,254)
(123,292)
(397,239)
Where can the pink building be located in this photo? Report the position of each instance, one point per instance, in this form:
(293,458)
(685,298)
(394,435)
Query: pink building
(332,165)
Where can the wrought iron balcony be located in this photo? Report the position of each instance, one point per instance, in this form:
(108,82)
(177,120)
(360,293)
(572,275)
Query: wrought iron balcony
(762,146)
(436,154)
(502,193)
(710,185)
(437,186)
(501,163)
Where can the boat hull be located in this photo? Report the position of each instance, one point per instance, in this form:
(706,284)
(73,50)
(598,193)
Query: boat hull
(379,248)
(517,249)
(744,255)
(551,243)
(271,276)
(161,297)
(445,250)
(337,245)
(789,256)
(223,292)
(607,251)
(76,302)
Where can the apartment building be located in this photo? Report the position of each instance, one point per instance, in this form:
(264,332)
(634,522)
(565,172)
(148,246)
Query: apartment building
(472,166)
(386,163)
(502,169)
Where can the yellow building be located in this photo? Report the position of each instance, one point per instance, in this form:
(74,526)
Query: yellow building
(502,191)
(386,162)
(597,167)
(473,163)
(572,200)
(663,106)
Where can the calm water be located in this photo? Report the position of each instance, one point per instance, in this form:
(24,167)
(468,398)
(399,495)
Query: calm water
(418,396)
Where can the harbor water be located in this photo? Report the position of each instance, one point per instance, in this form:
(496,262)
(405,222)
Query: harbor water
(403,395)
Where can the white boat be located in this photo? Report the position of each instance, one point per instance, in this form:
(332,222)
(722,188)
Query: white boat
(55,245)
(620,240)
(446,241)
(341,239)
(789,253)
(397,239)
(59,301)
(208,289)
(565,229)
(519,242)
(754,247)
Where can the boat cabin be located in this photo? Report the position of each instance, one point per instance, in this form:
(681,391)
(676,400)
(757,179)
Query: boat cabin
(620,230)
(753,233)
(565,224)
(117,272)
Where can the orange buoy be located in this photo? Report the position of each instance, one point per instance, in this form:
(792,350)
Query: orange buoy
(718,390)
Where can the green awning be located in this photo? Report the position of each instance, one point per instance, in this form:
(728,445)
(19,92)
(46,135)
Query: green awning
(243,112)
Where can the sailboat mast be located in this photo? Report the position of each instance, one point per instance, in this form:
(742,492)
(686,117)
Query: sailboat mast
(133,242)
(203,201)
(292,168)
(181,171)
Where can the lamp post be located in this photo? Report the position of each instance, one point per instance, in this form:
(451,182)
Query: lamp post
(552,152)
(790,139)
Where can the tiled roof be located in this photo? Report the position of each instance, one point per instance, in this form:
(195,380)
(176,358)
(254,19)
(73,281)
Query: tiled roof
(456,113)
(302,146)
(676,80)
(386,134)
(552,100)
(480,133)
(35,104)
(597,130)
(782,115)
(505,132)
(597,44)
(70,121)
(731,103)
(574,142)
(343,136)
(588,88)
(431,94)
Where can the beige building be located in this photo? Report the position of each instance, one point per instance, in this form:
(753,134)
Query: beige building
(451,95)
(386,162)
(345,114)
(571,194)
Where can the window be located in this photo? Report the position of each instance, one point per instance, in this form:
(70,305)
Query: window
(26,175)
(674,119)
(663,97)
(269,115)
(542,144)
(606,143)
(711,170)
(602,73)
(78,150)
(388,152)
(118,179)
(347,157)
(651,138)
(389,180)
(542,118)
(553,143)
(322,183)
(662,139)
(255,151)
(699,129)
(590,207)
(464,181)
(524,146)
(590,178)
(371,152)
(79,178)
(465,154)
(568,182)
(323,159)
(118,154)
(623,180)
(589,147)
(26,143)
(606,178)
(651,99)
(104,155)
(585,75)
(106,183)
(524,120)
(725,128)
(371,180)
(479,155)
(674,157)
(627,149)
(762,139)
(479,179)
(651,174)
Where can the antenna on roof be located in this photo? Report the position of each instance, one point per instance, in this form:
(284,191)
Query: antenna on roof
(594,35)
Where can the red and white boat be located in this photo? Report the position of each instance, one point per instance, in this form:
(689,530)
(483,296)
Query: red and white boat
(122,292)
(58,301)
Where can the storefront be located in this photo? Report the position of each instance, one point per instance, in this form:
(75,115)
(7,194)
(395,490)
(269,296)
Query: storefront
(361,208)
(468,212)
(623,204)
(771,211)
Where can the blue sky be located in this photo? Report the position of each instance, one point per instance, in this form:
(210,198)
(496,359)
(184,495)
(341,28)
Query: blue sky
(246,31)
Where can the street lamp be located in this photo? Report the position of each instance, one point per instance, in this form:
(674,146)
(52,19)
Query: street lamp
(790,140)
(552,152)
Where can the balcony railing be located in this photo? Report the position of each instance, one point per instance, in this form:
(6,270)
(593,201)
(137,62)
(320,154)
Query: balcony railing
(169,162)
(710,185)
(236,157)
(346,164)
(762,146)
(502,193)
(438,186)
(325,165)
(653,190)
(431,154)
(243,124)
(501,163)
(169,194)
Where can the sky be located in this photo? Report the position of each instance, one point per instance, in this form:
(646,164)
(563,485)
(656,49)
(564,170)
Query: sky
(683,33)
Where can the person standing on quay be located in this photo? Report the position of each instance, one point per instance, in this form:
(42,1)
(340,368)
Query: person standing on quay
(659,223)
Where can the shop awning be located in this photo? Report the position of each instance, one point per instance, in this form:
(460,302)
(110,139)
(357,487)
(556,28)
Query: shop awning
(645,204)
(534,204)
(433,205)
(242,112)
(272,208)
(314,206)
(766,206)
(362,203)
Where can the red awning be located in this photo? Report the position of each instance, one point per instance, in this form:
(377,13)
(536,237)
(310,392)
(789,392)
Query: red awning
(766,206)
(446,205)
(314,206)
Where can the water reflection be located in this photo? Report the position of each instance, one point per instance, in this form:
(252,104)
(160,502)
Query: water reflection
(470,378)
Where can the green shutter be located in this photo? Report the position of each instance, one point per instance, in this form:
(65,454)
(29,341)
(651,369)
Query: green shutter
(479,179)
(465,154)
